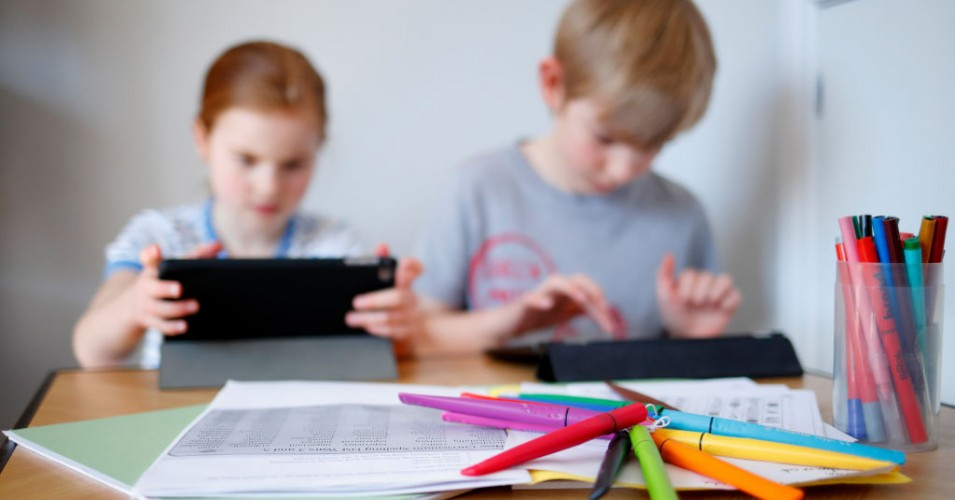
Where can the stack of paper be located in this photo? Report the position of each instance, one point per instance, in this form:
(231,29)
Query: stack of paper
(331,438)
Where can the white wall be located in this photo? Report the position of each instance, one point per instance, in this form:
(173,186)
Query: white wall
(96,100)
(885,144)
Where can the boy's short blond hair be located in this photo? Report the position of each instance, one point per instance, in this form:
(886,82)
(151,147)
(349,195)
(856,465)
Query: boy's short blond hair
(648,63)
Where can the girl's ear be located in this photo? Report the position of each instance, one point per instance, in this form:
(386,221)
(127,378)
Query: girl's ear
(201,135)
(550,78)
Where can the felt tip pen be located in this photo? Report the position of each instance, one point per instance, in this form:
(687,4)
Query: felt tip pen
(735,428)
(594,404)
(863,398)
(529,413)
(880,283)
(857,366)
(651,464)
(932,277)
(855,422)
(857,225)
(768,451)
(865,221)
(690,458)
(637,397)
(874,364)
(938,239)
(561,439)
(902,304)
(878,364)
(471,395)
(617,451)
(913,264)
(497,423)
(926,233)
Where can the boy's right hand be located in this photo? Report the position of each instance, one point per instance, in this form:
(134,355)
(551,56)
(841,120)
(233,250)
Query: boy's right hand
(560,298)
(695,303)
(152,303)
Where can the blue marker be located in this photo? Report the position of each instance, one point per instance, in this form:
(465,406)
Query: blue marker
(888,244)
(734,428)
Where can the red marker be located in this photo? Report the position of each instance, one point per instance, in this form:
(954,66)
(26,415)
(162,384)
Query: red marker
(908,401)
(561,439)
(938,239)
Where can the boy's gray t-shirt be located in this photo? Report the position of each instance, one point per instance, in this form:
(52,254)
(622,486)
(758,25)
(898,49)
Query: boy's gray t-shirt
(500,230)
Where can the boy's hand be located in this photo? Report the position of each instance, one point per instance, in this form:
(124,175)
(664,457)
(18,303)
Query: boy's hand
(149,297)
(560,298)
(392,312)
(695,303)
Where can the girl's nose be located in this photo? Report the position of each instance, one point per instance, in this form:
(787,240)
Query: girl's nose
(268,182)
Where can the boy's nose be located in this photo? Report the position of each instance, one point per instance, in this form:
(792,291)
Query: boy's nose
(621,169)
(626,163)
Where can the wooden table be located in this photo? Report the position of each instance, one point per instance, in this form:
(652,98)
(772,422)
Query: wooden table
(72,395)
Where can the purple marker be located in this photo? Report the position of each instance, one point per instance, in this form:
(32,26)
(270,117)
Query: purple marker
(549,415)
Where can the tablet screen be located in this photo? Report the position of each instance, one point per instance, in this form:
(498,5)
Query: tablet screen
(256,298)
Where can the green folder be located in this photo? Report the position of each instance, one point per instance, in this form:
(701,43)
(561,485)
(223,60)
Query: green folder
(113,450)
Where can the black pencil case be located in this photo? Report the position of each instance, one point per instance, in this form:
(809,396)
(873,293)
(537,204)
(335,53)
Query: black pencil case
(732,355)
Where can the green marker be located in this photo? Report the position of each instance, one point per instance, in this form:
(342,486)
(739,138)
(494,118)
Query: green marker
(913,265)
(596,404)
(654,473)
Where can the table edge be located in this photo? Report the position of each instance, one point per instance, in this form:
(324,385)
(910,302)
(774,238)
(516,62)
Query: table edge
(27,415)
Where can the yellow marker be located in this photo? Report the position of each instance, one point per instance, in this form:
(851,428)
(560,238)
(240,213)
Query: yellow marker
(504,389)
(768,451)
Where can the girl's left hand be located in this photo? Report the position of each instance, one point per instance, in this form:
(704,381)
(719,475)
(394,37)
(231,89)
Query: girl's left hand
(393,312)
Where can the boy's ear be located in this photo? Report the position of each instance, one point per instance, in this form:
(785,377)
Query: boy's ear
(201,134)
(550,76)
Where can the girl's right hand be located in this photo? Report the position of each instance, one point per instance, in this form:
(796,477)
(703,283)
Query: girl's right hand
(560,298)
(152,301)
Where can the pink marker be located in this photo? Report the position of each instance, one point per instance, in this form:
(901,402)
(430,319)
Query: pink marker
(501,424)
(875,362)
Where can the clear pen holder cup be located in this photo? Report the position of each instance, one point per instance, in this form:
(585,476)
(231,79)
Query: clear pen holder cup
(888,351)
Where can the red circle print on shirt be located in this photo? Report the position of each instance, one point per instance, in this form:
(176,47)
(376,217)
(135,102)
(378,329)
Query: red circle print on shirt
(508,265)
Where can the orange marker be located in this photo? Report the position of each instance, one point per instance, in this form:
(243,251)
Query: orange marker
(473,395)
(689,458)
(926,234)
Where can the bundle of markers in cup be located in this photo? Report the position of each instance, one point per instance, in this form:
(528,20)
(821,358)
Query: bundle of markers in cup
(888,330)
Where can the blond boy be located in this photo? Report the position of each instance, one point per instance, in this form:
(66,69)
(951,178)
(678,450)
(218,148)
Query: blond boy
(571,236)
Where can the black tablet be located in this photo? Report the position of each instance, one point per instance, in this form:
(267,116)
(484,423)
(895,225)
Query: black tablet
(756,355)
(263,298)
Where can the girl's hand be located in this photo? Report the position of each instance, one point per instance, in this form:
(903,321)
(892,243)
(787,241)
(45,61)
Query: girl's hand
(695,303)
(558,299)
(392,312)
(151,300)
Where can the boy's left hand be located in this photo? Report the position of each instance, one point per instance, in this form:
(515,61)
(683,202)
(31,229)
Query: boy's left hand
(393,312)
(695,303)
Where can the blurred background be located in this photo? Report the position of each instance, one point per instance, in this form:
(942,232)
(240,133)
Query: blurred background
(820,109)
